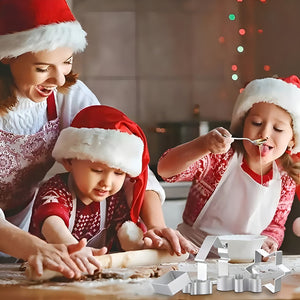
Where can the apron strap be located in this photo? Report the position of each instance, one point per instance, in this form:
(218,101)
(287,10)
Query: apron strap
(51,107)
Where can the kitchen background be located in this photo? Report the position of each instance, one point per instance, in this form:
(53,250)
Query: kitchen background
(177,66)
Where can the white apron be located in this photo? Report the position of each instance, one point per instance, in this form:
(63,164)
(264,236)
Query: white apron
(99,239)
(239,205)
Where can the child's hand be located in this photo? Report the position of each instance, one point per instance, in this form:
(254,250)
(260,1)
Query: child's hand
(85,259)
(218,140)
(169,239)
(270,246)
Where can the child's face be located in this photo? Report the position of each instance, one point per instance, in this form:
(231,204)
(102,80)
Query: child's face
(94,181)
(267,120)
(37,74)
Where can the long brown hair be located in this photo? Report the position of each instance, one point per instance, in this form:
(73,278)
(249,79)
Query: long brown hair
(8,98)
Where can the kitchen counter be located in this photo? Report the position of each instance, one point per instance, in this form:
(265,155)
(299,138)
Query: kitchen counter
(14,285)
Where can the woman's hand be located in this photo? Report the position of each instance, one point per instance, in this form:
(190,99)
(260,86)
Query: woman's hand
(54,257)
(168,239)
(64,259)
(85,258)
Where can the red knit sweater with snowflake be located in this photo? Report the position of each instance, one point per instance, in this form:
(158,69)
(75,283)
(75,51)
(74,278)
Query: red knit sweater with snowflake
(55,198)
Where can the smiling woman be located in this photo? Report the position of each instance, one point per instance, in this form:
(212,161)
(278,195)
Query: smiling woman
(37,75)
(35,65)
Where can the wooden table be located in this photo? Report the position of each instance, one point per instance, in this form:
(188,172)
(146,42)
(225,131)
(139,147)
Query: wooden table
(14,285)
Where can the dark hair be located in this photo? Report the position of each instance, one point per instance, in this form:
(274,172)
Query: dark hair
(8,98)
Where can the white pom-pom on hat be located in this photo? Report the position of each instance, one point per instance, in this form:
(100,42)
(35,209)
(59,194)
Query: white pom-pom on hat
(130,236)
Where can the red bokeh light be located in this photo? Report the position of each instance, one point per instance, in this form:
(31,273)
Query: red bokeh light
(234,67)
(242,31)
(221,39)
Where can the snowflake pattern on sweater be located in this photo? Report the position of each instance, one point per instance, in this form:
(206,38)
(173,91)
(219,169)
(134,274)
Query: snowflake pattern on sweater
(55,198)
(206,174)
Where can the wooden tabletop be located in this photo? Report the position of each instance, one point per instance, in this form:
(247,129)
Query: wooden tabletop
(14,285)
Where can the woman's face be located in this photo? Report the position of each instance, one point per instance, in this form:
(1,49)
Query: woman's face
(36,75)
(267,120)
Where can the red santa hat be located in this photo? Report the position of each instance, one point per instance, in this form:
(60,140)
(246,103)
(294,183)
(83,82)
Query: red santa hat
(105,134)
(284,92)
(36,25)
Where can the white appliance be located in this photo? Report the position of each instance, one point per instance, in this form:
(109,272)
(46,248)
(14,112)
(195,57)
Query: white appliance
(176,195)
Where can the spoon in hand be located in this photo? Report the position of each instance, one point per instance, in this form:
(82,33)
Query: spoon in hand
(257,142)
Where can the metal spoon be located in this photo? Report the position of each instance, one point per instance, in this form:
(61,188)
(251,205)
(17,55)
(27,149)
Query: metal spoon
(257,142)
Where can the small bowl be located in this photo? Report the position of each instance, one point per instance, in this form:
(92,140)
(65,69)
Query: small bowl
(241,248)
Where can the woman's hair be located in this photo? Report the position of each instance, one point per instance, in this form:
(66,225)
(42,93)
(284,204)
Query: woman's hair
(286,161)
(8,98)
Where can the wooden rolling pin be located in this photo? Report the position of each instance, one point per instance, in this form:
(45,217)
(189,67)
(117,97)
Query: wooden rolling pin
(126,259)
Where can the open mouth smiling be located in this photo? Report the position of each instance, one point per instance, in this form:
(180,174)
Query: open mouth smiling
(44,91)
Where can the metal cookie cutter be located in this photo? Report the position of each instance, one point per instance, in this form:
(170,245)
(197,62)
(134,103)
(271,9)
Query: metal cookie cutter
(169,284)
(259,254)
(239,284)
(203,286)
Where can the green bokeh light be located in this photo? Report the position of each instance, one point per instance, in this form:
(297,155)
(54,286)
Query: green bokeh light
(231,17)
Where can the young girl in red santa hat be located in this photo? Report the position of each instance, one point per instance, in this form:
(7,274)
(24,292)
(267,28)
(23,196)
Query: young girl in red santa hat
(239,187)
(39,96)
(100,149)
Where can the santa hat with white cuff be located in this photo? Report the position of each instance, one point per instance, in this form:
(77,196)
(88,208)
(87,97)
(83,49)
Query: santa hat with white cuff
(105,134)
(37,25)
(283,92)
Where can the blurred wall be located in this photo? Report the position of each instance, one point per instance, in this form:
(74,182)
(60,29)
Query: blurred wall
(156,59)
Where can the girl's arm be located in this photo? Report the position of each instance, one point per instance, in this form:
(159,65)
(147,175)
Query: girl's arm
(178,159)
(55,230)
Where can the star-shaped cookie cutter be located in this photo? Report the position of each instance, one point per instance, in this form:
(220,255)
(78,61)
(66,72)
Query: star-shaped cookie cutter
(259,254)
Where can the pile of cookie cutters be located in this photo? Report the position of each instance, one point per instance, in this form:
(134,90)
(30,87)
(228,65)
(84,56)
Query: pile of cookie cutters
(251,281)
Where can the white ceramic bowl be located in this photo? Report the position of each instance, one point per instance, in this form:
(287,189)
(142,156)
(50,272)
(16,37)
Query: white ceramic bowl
(241,248)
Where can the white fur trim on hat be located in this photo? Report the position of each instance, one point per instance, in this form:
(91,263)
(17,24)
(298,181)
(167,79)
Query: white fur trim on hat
(45,37)
(116,149)
(270,90)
